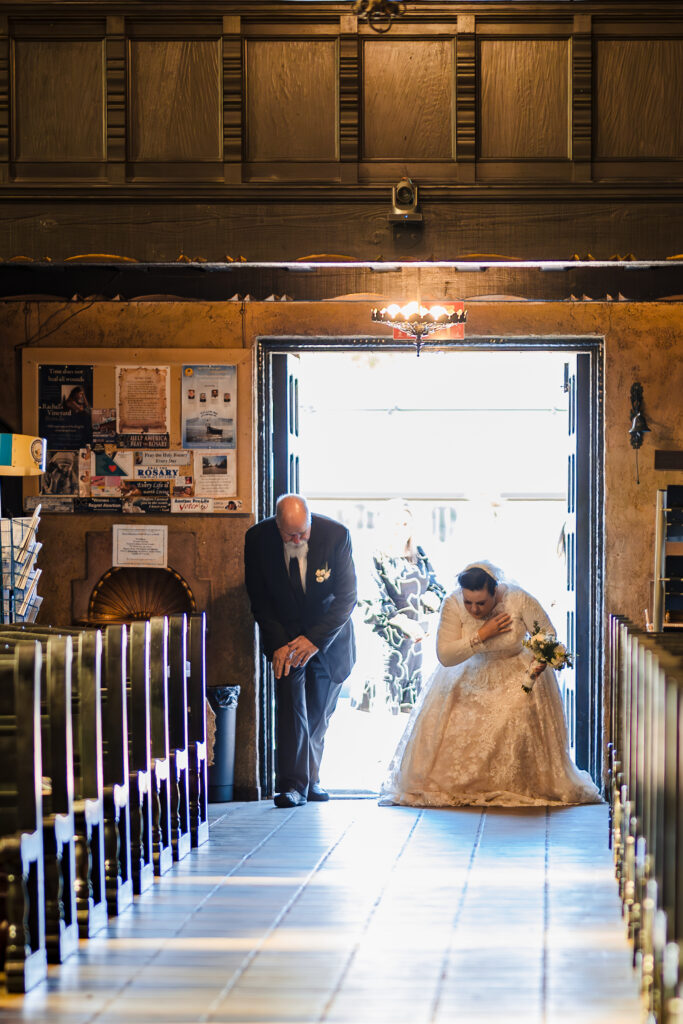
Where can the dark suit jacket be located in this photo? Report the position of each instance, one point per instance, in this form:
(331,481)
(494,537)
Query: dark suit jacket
(324,616)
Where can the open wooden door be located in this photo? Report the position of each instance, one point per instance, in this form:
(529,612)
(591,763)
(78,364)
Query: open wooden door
(284,437)
(280,474)
(578,683)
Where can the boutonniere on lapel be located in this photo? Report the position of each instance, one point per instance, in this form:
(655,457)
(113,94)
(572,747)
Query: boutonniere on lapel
(323,574)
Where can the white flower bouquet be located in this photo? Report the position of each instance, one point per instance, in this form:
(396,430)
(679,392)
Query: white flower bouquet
(547,650)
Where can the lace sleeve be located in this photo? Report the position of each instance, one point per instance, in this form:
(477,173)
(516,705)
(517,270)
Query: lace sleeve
(452,647)
(533,612)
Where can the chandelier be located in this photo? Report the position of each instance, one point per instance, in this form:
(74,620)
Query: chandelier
(418,321)
(379,14)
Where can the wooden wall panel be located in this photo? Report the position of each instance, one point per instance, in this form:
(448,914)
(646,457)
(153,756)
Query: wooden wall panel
(408,99)
(292,110)
(4,100)
(58,94)
(524,99)
(175,100)
(116,99)
(638,91)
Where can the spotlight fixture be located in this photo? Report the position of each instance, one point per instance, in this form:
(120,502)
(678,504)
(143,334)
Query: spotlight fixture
(404,203)
(379,14)
(418,321)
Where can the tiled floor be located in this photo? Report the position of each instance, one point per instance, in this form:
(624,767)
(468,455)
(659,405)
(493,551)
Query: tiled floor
(346,912)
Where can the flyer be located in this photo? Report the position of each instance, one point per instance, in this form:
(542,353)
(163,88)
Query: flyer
(162,465)
(183,487)
(227,504)
(48,503)
(99,503)
(103,426)
(64,405)
(84,471)
(108,471)
(142,402)
(209,407)
(146,496)
(214,474)
(191,505)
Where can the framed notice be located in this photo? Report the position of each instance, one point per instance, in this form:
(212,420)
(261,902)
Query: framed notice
(140,545)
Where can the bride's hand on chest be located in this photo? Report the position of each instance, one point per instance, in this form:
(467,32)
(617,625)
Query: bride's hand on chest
(497,624)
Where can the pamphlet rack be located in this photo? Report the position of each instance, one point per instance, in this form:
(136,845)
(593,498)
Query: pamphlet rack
(19,575)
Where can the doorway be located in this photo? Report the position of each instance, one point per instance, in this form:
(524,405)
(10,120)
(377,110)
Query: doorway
(534,509)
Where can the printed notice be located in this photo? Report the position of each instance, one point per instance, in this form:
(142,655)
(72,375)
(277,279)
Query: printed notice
(214,474)
(140,545)
(208,407)
(142,400)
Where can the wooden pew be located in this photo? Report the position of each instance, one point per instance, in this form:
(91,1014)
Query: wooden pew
(118,872)
(59,828)
(86,710)
(161,762)
(646,675)
(88,776)
(196,701)
(61,927)
(21,836)
(181,841)
(115,781)
(140,756)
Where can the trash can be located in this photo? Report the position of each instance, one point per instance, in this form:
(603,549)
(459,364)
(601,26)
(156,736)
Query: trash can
(223,700)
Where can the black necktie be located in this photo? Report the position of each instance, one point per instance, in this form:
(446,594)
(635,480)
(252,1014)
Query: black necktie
(295,576)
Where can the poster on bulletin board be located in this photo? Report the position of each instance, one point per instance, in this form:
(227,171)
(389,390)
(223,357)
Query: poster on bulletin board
(64,406)
(142,406)
(209,407)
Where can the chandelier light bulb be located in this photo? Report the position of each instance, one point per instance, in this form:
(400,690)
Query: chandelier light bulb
(418,321)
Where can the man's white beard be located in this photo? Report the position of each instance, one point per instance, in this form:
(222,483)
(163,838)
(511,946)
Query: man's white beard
(293,550)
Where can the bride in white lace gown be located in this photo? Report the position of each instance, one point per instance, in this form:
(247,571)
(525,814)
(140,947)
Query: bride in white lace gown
(475,736)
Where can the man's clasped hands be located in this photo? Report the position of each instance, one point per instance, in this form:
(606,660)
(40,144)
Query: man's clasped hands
(295,654)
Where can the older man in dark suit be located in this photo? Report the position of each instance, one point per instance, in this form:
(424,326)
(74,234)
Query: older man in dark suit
(301,582)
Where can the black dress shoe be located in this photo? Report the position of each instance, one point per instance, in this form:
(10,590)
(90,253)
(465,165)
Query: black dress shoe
(316,792)
(292,798)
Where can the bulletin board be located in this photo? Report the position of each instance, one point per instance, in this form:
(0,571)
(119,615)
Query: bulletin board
(143,431)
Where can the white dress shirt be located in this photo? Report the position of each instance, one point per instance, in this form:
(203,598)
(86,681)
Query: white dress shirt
(299,551)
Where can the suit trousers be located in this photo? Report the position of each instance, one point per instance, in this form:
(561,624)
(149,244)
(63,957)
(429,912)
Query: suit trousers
(304,702)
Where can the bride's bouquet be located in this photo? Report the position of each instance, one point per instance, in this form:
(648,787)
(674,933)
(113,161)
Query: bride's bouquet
(547,650)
